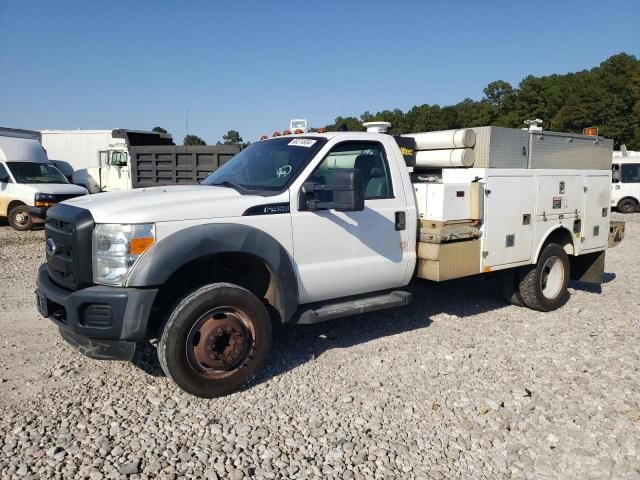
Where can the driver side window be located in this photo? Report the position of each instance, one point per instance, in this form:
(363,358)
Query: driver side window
(368,157)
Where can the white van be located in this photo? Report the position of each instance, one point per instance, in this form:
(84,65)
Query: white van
(625,188)
(29,184)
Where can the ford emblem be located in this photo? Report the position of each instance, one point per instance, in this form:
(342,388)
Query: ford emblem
(50,247)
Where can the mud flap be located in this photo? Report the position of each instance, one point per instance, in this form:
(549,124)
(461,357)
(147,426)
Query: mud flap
(588,268)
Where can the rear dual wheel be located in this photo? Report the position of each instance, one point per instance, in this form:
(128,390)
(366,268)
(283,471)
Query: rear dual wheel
(215,341)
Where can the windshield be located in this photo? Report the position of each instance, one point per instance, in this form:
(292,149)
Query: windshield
(35,172)
(267,165)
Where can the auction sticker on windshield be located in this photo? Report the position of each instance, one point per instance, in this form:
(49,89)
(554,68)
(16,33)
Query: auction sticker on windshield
(301,142)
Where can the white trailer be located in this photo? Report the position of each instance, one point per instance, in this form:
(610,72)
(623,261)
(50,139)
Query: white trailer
(625,190)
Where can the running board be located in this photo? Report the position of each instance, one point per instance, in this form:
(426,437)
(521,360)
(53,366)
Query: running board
(353,307)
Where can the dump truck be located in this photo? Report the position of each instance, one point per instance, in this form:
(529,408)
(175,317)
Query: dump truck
(306,228)
(122,159)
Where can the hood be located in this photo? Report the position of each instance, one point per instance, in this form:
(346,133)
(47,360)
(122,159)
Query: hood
(57,188)
(165,204)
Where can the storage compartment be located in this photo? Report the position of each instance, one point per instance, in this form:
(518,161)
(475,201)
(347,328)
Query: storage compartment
(445,261)
(498,147)
(444,202)
(569,151)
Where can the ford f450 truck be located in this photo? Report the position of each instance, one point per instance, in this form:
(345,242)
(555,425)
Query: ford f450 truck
(311,227)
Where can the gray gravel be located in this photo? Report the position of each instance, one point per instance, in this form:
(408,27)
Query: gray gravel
(457,385)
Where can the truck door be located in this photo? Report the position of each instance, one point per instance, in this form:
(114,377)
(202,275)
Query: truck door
(509,218)
(595,223)
(117,172)
(347,253)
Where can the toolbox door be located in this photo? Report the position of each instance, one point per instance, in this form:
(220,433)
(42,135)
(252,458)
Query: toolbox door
(595,225)
(508,220)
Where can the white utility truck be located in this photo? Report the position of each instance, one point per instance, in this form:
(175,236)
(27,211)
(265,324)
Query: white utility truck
(625,190)
(29,184)
(310,227)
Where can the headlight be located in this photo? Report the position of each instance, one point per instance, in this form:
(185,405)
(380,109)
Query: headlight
(44,199)
(116,248)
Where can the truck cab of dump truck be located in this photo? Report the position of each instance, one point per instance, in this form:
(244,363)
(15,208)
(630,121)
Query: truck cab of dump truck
(310,227)
(625,188)
(29,184)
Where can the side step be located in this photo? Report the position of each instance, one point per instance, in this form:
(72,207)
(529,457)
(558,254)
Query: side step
(353,307)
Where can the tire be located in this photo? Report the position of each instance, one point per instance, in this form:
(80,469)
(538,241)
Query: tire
(20,218)
(237,336)
(628,205)
(543,286)
(509,286)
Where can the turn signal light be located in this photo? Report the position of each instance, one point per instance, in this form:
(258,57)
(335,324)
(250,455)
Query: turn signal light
(39,203)
(139,245)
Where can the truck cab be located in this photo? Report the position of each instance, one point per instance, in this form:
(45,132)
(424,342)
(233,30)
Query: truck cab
(29,184)
(625,188)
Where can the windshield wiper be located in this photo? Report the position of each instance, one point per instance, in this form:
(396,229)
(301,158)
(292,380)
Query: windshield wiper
(227,183)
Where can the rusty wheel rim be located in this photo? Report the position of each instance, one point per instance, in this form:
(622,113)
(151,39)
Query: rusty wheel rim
(220,342)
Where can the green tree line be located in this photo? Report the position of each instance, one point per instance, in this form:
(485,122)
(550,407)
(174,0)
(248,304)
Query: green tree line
(607,97)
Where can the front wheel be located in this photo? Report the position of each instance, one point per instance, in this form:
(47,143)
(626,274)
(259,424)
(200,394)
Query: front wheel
(20,218)
(215,341)
(544,286)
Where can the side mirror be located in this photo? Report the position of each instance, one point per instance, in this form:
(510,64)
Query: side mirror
(5,179)
(344,188)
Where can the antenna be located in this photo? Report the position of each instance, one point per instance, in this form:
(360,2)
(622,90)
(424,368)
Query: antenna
(186,122)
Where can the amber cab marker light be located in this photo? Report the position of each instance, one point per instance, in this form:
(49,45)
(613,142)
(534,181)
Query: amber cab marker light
(264,137)
(276,134)
(591,131)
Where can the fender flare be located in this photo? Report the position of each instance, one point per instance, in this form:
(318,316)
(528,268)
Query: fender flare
(157,265)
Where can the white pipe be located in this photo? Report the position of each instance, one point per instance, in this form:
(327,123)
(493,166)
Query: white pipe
(460,138)
(458,157)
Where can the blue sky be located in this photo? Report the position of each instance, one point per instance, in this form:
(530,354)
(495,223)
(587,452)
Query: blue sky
(251,66)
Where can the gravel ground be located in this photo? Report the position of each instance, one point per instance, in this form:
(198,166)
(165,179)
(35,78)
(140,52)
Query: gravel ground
(457,385)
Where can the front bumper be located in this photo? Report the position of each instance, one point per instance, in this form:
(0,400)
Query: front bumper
(102,322)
